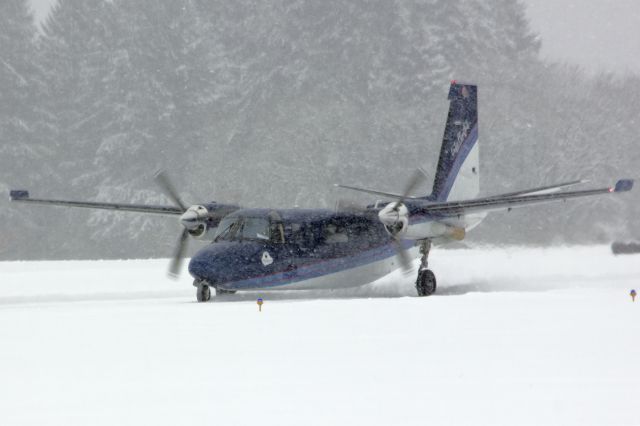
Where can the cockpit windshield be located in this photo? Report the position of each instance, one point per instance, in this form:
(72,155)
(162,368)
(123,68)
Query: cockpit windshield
(238,228)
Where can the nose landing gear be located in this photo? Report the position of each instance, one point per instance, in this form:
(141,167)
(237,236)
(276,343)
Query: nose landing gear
(426,281)
(203,292)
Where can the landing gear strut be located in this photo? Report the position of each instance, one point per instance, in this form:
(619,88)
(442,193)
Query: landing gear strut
(220,291)
(426,281)
(203,292)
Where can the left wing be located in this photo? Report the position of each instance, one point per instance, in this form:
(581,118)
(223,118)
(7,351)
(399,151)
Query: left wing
(22,196)
(509,201)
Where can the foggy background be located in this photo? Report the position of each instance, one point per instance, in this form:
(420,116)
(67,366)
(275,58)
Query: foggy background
(269,103)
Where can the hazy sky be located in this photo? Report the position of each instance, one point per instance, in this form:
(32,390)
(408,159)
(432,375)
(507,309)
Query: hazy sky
(597,34)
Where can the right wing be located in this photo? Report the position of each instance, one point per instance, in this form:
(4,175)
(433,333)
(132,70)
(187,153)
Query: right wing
(540,190)
(509,201)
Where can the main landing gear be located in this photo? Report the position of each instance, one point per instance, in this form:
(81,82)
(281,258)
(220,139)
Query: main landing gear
(426,281)
(203,291)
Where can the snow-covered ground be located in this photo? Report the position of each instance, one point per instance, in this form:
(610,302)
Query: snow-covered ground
(514,336)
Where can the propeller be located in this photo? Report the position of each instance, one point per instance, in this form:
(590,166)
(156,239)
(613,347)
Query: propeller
(395,219)
(178,255)
(403,255)
(188,220)
(394,216)
(417,178)
(194,220)
(169,190)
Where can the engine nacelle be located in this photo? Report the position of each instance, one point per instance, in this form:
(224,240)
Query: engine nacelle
(201,221)
(396,223)
(395,219)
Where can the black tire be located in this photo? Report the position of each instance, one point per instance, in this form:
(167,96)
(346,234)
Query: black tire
(426,283)
(203,293)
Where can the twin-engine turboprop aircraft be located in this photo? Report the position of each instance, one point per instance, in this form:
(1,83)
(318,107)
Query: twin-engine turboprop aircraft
(271,249)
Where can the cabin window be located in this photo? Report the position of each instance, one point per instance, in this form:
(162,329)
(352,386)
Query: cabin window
(277,233)
(334,234)
(299,234)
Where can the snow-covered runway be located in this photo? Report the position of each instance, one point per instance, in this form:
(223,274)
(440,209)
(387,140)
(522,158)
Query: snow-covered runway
(513,336)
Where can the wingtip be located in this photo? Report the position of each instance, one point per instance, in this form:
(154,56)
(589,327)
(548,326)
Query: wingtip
(623,185)
(20,194)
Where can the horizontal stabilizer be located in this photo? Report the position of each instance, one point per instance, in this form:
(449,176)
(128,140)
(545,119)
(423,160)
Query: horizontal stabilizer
(380,193)
(624,185)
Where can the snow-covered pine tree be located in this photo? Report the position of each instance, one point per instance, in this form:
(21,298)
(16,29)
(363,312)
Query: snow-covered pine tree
(24,153)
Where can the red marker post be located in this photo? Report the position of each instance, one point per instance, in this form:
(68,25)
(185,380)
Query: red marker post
(633,295)
(260,302)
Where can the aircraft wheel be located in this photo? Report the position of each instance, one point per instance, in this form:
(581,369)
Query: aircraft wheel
(221,292)
(426,283)
(203,293)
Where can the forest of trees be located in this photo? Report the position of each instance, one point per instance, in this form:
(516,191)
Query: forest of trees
(269,103)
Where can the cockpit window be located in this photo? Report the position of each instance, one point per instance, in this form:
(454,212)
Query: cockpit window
(255,228)
(238,228)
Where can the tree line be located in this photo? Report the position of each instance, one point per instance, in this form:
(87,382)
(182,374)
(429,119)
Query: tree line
(268,103)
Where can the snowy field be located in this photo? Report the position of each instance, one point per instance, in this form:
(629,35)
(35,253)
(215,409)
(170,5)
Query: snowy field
(514,336)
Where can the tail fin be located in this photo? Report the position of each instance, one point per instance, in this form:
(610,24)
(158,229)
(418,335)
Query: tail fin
(458,175)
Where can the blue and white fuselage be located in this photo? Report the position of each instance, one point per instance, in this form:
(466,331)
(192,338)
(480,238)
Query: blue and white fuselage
(305,249)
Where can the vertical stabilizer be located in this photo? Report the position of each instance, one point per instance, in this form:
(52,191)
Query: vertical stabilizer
(458,174)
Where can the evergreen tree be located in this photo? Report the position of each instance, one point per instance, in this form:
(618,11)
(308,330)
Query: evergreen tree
(24,155)
(269,103)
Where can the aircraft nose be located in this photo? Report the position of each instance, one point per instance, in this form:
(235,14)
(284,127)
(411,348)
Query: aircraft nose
(222,263)
(200,267)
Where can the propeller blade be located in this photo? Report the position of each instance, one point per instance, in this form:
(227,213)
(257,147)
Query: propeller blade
(169,190)
(417,178)
(403,256)
(178,255)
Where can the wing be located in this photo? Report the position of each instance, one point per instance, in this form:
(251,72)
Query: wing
(23,197)
(542,189)
(533,191)
(509,201)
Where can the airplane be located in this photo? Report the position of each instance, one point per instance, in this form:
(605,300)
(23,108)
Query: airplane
(285,249)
